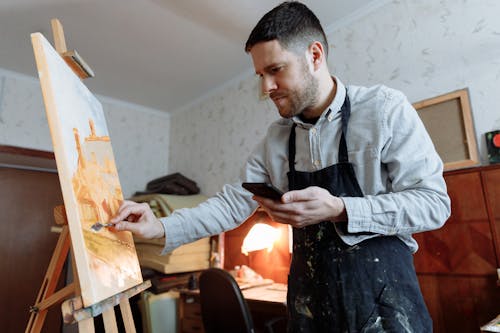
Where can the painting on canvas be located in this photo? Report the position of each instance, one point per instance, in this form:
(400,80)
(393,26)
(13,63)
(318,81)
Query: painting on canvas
(106,260)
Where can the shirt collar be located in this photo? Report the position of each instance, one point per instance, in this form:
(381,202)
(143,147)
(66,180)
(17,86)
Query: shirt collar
(330,112)
(338,100)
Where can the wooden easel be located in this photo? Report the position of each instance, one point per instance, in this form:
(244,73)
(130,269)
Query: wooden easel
(72,58)
(47,296)
(72,308)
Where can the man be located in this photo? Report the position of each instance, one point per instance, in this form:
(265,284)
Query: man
(362,175)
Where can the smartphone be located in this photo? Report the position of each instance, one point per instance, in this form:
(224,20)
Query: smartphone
(265,190)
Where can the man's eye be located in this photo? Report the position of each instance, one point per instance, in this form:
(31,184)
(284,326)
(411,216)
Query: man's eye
(276,69)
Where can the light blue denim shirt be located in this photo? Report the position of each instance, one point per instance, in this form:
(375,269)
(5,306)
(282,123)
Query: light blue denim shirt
(394,159)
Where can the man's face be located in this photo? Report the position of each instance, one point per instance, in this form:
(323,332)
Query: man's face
(286,77)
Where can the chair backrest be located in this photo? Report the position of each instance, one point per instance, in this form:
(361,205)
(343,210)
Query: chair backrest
(223,308)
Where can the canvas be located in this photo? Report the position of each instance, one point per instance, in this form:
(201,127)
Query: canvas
(106,260)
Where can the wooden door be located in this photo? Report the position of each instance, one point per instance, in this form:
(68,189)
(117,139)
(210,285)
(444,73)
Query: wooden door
(27,198)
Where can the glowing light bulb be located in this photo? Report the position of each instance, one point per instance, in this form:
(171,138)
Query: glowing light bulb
(261,236)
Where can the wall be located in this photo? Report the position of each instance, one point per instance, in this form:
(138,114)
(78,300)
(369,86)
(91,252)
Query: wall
(140,136)
(423,47)
(427,48)
(212,139)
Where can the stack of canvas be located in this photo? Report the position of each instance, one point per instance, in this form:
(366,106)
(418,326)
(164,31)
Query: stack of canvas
(186,258)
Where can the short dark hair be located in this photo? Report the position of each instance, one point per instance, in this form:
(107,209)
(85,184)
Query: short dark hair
(292,24)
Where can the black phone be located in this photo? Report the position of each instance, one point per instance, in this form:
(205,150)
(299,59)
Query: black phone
(265,190)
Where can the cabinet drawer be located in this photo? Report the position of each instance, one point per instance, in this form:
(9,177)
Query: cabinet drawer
(192,309)
(192,325)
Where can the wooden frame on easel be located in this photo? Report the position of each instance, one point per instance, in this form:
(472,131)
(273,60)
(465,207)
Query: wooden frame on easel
(448,121)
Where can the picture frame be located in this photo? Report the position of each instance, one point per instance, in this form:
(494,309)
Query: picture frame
(448,120)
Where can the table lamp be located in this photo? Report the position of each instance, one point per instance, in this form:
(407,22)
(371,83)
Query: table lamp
(261,236)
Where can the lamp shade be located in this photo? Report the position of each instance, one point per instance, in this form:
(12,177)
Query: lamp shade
(261,236)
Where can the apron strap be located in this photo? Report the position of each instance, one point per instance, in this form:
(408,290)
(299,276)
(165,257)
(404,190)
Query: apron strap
(343,156)
(291,149)
(345,113)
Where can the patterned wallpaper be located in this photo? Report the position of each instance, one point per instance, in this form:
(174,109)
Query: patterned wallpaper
(427,48)
(140,136)
(423,47)
(211,141)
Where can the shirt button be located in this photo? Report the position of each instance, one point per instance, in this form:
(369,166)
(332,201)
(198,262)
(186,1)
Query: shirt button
(313,130)
(330,117)
(316,163)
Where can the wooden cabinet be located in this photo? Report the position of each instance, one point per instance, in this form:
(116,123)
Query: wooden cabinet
(491,179)
(190,313)
(457,264)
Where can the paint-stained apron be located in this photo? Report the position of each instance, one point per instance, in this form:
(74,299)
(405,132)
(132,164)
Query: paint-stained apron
(333,287)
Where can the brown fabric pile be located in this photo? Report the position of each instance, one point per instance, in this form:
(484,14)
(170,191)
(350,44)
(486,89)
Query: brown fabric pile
(175,183)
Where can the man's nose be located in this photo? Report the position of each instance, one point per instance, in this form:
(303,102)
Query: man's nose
(268,84)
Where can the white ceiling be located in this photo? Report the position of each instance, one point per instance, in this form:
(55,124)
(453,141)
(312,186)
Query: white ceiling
(161,54)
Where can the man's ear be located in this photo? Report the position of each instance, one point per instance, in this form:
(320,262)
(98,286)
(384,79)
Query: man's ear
(317,54)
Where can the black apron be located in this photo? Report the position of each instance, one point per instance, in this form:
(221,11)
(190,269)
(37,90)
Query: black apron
(333,287)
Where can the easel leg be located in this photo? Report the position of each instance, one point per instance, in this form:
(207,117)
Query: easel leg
(86,326)
(128,319)
(109,319)
(46,296)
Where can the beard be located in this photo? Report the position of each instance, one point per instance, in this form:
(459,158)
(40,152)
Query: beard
(299,100)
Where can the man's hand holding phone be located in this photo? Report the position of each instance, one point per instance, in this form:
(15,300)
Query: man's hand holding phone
(264,190)
(298,208)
